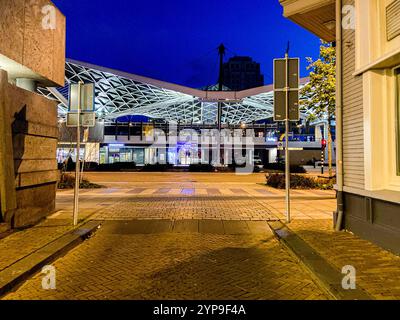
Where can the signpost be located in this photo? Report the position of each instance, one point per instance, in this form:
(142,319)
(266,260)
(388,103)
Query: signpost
(86,119)
(286,106)
(81,112)
(85,140)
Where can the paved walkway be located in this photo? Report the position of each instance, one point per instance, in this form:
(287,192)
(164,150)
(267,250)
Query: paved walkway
(129,260)
(377,270)
(21,243)
(198,196)
(199,236)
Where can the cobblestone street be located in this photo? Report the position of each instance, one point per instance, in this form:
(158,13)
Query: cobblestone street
(181,240)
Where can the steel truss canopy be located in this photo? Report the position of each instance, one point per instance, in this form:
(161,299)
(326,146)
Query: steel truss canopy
(119,94)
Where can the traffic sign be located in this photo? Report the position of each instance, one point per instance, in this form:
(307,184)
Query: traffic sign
(286,107)
(87,119)
(280,73)
(280,106)
(286,89)
(87,97)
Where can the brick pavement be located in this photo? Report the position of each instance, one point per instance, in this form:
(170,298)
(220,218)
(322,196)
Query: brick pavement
(190,199)
(378,271)
(155,207)
(302,209)
(169,177)
(21,243)
(120,263)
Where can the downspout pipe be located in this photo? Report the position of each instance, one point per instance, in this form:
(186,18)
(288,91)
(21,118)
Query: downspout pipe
(339,116)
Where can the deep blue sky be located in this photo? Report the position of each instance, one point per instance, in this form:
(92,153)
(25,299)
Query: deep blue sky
(176,40)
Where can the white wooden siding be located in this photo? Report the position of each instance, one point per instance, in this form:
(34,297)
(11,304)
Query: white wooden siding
(353,129)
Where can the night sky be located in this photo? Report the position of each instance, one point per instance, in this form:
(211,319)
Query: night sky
(177,40)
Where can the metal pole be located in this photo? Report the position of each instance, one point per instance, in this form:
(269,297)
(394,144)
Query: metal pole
(77,168)
(287,155)
(83,165)
(84,156)
(221,52)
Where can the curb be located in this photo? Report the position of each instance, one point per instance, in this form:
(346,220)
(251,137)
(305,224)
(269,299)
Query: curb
(15,274)
(326,275)
(305,197)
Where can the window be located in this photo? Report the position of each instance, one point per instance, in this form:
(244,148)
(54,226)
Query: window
(397,79)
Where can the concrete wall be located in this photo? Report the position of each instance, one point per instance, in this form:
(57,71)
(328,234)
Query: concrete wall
(29,45)
(32,46)
(302,157)
(32,121)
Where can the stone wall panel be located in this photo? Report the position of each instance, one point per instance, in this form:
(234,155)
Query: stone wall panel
(36,178)
(34,204)
(26,166)
(12,29)
(19,102)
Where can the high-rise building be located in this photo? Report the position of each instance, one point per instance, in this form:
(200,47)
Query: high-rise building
(241,73)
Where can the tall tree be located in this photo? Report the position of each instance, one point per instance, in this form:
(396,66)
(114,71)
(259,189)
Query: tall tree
(321,91)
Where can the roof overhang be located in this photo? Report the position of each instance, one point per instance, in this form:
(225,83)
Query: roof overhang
(317,16)
(142,79)
(120,94)
(205,95)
